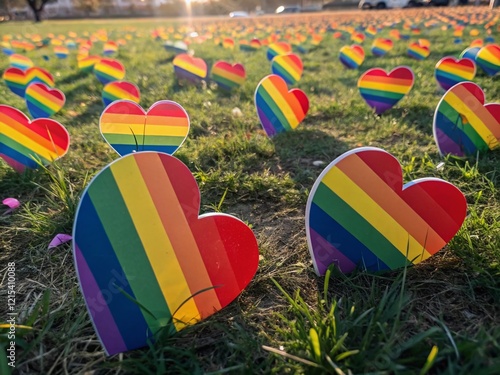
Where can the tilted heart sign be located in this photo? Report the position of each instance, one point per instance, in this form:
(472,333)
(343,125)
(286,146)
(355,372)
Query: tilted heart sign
(146,260)
(359,214)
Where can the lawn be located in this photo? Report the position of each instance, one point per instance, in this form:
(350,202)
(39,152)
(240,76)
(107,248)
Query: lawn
(441,316)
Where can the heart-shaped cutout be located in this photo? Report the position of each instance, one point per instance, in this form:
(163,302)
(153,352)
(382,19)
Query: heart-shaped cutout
(109,70)
(359,214)
(144,258)
(189,68)
(450,71)
(381,46)
(381,90)
(175,47)
(61,52)
(470,53)
(43,101)
(109,48)
(18,80)
(120,90)
(22,141)
(352,56)
(228,76)
(87,63)
(278,48)
(128,128)
(20,61)
(418,51)
(289,67)
(279,110)
(463,124)
(488,58)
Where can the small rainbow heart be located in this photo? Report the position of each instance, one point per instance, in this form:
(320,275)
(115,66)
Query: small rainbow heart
(128,128)
(228,43)
(450,71)
(120,90)
(289,67)
(20,62)
(86,64)
(61,52)
(381,46)
(228,76)
(110,48)
(23,141)
(18,80)
(109,70)
(383,91)
(190,68)
(43,101)
(417,51)
(358,37)
(175,47)
(488,58)
(279,110)
(371,31)
(463,124)
(278,48)
(352,56)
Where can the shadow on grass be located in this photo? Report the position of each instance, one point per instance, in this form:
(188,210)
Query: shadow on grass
(73,77)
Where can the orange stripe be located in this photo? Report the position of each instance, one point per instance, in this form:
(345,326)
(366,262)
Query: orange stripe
(166,121)
(113,118)
(388,80)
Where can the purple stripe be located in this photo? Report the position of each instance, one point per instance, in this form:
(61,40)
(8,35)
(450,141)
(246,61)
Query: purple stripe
(266,124)
(379,106)
(447,145)
(325,254)
(103,321)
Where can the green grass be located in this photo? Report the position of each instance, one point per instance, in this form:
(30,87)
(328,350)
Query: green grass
(441,316)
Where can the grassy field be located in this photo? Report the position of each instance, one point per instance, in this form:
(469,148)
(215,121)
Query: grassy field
(441,316)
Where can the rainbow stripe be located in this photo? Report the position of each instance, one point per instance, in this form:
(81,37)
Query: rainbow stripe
(20,61)
(21,142)
(120,90)
(109,70)
(110,48)
(228,43)
(137,237)
(488,58)
(278,48)
(289,67)
(61,52)
(42,101)
(127,128)
(86,64)
(17,80)
(371,31)
(449,71)
(383,91)
(352,56)
(358,38)
(279,110)
(381,46)
(190,68)
(417,51)
(470,53)
(228,76)
(463,125)
(357,214)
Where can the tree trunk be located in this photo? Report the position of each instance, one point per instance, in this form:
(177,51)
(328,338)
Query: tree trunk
(38,15)
(37,10)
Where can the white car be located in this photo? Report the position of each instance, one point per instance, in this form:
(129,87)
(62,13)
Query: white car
(238,14)
(384,4)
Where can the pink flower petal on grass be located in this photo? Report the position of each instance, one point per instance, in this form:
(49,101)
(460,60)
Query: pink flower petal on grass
(12,203)
(59,239)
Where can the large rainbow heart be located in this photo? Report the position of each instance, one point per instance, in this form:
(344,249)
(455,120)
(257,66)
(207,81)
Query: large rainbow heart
(381,46)
(189,68)
(359,214)
(279,110)
(278,48)
(228,76)
(289,67)
(128,128)
(119,90)
(382,90)
(20,61)
(43,101)
(23,142)
(146,261)
(18,80)
(352,56)
(450,71)
(488,58)
(109,70)
(463,124)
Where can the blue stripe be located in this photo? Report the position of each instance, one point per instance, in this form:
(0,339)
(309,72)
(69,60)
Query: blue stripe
(17,156)
(264,107)
(348,62)
(379,99)
(129,149)
(454,132)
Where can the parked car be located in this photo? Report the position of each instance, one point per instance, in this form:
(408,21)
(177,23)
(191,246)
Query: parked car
(437,3)
(384,4)
(238,14)
(288,9)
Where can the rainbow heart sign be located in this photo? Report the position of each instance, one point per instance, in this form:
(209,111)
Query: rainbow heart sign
(450,71)
(128,128)
(289,67)
(463,124)
(109,70)
(359,214)
(189,68)
(146,261)
(382,90)
(20,62)
(86,63)
(175,47)
(109,48)
(352,56)
(228,76)
(470,53)
(22,141)
(418,51)
(381,46)
(61,52)
(279,110)
(18,80)
(278,48)
(488,58)
(119,90)
(43,101)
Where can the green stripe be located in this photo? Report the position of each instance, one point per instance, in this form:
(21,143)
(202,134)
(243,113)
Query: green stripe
(21,148)
(354,223)
(487,63)
(152,140)
(381,93)
(225,81)
(120,229)
(284,73)
(38,104)
(274,108)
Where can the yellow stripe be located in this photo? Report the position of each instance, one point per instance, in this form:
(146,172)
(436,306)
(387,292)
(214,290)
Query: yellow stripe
(386,87)
(459,72)
(138,129)
(118,92)
(155,240)
(282,103)
(189,67)
(363,204)
(55,106)
(290,68)
(48,154)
